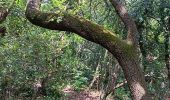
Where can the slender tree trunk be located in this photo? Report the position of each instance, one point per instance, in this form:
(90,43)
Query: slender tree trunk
(111,81)
(2,31)
(167,53)
(5,11)
(95,78)
(140,28)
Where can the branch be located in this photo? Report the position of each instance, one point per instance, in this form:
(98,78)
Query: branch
(120,84)
(127,20)
(83,27)
(2,31)
(169,23)
(3,14)
(5,11)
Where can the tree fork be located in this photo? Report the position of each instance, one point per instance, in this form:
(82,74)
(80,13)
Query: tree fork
(125,52)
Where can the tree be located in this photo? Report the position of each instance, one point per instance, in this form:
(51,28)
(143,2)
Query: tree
(152,21)
(3,14)
(29,54)
(125,51)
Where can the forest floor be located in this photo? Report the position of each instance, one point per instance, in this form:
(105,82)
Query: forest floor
(71,94)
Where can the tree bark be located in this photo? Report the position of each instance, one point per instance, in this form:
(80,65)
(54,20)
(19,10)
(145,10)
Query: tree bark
(129,23)
(124,51)
(2,31)
(167,53)
(3,14)
(5,11)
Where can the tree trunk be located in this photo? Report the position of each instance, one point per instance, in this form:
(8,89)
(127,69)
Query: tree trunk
(134,77)
(167,53)
(126,52)
(2,31)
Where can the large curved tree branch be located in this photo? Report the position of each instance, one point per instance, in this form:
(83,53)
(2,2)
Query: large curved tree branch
(85,28)
(127,20)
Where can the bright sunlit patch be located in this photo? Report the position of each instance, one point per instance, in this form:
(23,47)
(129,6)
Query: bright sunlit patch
(123,10)
(129,42)
(140,89)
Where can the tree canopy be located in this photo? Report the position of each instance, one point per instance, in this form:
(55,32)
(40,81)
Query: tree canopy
(47,45)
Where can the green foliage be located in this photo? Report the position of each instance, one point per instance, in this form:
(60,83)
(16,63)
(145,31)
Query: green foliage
(121,94)
(80,80)
(29,54)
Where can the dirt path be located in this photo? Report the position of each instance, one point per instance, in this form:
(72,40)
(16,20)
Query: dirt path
(82,95)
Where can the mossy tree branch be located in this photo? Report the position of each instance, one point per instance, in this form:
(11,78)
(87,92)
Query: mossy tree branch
(83,27)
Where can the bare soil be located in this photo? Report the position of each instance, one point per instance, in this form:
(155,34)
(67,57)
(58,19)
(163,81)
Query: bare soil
(71,94)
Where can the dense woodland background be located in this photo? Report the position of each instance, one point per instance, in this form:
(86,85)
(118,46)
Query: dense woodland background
(39,63)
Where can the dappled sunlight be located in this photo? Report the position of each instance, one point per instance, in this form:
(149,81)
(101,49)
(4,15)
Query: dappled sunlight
(123,10)
(140,92)
(71,49)
(71,94)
